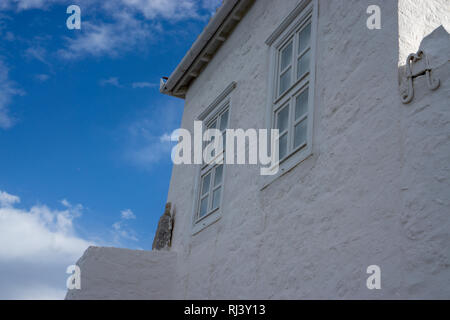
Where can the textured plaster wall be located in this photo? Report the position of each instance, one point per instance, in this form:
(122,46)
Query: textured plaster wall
(417,19)
(376,190)
(113,273)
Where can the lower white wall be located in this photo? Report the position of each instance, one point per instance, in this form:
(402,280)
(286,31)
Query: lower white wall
(113,273)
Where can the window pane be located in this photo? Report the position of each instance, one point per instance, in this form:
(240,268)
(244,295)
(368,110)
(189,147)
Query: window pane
(304,38)
(283,146)
(300,133)
(203,207)
(213,152)
(282,119)
(216,198)
(285,81)
(224,141)
(210,142)
(224,121)
(303,64)
(301,104)
(212,125)
(286,56)
(218,176)
(205,184)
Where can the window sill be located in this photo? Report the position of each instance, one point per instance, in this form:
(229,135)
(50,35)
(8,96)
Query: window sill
(206,221)
(287,165)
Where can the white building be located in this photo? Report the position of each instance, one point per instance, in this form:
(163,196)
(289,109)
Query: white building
(364,178)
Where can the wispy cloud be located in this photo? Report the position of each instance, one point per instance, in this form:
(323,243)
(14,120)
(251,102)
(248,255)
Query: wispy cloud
(211,5)
(127,214)
(147,139)
(144,85)
(42,77)
(7,200)
(36,246)
(106,39)
(113,81)
(8,89)
(38,53)
(126,29)
(121,228)
(110,28)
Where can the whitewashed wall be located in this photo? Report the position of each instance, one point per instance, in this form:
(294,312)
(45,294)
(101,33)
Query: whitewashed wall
(115,273)
(376,190)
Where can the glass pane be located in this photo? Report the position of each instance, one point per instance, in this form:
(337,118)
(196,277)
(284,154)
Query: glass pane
(218,176)
(300,133)
(282,119)
(224,141)
(213,152)
(286,56)
(224,121)
(216,198)
(301,104)
(210,142)
(283,146)
(203,207)
(303,64)
(304,38)
(285,81)
(205,184)
(212,125)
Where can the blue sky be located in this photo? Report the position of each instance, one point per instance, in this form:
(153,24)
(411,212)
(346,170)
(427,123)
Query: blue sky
(84,157)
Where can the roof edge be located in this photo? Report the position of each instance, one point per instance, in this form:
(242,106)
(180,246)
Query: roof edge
(197,56)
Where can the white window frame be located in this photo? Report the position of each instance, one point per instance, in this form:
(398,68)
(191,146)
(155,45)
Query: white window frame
(288,30)
(215,110)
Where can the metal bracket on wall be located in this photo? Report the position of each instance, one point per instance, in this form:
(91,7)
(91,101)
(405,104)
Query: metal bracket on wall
(415,69)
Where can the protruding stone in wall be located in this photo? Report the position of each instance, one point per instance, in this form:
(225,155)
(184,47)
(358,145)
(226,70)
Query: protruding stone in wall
(163,235)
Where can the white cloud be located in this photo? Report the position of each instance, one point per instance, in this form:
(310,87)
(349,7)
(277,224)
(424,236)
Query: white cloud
(211,5)
(147,139)
(107,39)
(26,4)
(8,90)
(37,53)
(127,214)
(168,9)
(121,233)
(149,148)
(113,81)
(165,138)
(150,9)
(130,22)
(36,246)
(42,77)
(144,85)
(7,200)
(121,229)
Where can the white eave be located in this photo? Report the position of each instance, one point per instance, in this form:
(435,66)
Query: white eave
(208,42)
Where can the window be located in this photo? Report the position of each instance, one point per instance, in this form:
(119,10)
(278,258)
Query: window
(291,114)
(212,173)
(290,102)
(210,177)
(210,191)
